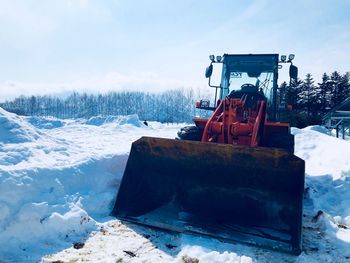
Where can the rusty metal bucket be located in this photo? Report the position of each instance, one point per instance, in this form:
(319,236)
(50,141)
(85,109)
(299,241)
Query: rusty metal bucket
(233,193)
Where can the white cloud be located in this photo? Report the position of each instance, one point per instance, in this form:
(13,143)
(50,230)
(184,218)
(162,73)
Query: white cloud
(111,81)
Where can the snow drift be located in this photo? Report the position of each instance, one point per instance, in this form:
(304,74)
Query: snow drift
(57,177)
(45,123)
(324,155)
(132,120)
(14,129)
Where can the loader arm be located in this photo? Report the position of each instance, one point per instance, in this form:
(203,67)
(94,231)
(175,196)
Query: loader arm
(233,122)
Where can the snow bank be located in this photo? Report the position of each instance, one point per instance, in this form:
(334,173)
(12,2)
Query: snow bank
(14,129)
(38,226)
(56,186)
(54,206)
(317,128)
(45,123)
(96,120)
(327,199)
(324,154)
(116,120)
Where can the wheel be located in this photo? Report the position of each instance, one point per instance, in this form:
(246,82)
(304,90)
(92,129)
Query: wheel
(190,133)
(282,140)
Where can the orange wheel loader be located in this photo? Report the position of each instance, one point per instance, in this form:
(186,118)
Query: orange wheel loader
(232,176)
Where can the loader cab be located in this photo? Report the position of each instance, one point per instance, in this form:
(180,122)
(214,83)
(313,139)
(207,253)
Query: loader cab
(259,71)
(243,72)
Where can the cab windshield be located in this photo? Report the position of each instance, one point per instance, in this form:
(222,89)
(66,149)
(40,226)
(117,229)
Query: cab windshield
(263,82)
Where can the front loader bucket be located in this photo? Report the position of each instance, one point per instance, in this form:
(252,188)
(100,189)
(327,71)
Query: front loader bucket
(233,193)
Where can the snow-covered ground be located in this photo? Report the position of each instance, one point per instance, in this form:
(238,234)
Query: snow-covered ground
(59,178)
(333,132)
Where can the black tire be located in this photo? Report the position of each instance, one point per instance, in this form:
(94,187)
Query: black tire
(190,133)
(282,140)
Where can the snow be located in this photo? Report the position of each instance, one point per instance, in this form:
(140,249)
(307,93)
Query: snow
(132,120)
(59,178)
(324,155)
(47,123)
(13,129)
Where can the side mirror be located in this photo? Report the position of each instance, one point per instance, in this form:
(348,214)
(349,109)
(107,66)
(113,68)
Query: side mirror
(209,71)
(293,72)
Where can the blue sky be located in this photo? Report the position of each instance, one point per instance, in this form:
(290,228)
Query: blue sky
(53,46)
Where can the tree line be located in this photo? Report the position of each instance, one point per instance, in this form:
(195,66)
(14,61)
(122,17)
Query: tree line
(305,102)
(301,102)
(176,105)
